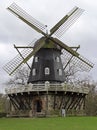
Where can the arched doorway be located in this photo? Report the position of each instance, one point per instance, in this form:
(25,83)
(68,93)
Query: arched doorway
(38,105)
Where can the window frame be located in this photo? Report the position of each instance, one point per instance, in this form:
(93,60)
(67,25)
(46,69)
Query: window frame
(36,59)
(57,59)
(47,71)
(60,72)
(33,71)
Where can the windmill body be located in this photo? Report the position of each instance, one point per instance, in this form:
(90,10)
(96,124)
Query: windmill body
(47,65)
(47,91)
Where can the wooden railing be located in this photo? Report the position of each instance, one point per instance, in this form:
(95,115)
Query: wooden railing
(46,87)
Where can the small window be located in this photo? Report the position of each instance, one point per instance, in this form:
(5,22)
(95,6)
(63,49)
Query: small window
(34,72)
(60,72)
(36,59)
(57,59)
(47,71)
(58,47)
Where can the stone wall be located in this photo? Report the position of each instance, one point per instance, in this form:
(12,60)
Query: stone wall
(45,104)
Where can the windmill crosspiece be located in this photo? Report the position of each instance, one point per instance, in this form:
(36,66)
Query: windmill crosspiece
(47,43)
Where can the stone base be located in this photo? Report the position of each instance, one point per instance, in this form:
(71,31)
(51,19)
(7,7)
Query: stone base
(46,104)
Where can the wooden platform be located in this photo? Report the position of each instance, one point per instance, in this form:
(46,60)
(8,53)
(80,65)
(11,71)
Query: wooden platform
(39,100)
(46,87)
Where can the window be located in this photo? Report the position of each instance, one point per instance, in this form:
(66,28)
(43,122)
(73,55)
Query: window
(58,47)
(60,72)
(47,71)
(36,59)
(57,59)
(34,72)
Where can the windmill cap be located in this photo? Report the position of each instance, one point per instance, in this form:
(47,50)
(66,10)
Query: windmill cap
(47,43)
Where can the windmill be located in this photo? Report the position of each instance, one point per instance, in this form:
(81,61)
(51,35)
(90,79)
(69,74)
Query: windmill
(47,72)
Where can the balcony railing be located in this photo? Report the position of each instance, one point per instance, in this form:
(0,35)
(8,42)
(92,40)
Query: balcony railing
(14,89)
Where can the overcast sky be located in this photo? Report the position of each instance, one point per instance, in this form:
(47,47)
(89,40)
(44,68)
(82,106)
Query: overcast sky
(48,12)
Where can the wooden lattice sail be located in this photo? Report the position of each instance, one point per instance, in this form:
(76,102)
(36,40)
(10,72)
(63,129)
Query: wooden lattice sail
(58,30)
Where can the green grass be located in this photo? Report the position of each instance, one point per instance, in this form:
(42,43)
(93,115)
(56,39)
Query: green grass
(60,123)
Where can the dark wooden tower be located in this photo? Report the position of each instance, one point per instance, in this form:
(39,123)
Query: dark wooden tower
(47,65)
(47,91)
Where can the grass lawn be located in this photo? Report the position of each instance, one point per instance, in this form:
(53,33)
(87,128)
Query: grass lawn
(59,123)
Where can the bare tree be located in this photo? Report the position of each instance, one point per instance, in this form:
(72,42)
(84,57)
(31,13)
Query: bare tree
(3,99)
(20,77)
(91,101)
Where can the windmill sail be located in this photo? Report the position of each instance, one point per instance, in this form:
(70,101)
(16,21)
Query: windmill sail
(27,53)
(76,55)
(58,30)
(21,14)
(79,62)
(64,24)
